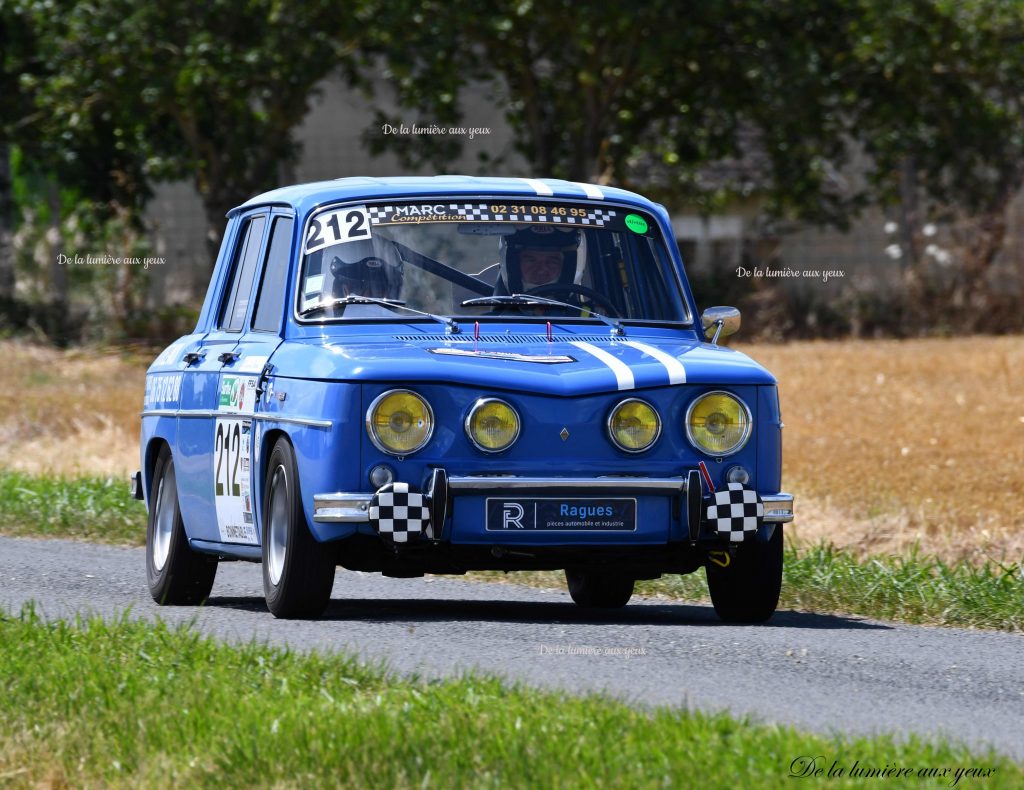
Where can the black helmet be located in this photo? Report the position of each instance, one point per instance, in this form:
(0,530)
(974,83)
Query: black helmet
(538,237)
(366,269)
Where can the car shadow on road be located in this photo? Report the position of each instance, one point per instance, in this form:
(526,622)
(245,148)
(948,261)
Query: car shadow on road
(417,610)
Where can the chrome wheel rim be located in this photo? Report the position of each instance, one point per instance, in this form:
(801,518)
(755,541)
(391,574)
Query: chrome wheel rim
(277,538)
(165,515)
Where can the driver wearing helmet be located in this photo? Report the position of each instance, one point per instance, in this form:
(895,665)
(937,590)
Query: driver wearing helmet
(537,256)
(363,268)
(370,268)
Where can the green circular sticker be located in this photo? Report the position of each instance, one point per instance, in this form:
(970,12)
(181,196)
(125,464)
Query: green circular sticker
(636,223)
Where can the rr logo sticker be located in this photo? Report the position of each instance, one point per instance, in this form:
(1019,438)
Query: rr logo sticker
(513,515)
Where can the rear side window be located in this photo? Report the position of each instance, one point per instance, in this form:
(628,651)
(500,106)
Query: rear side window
(246,258)
(270,300)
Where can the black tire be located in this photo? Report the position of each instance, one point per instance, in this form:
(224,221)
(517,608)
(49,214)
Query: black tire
(596,590)
(747,591)
(176,575)
(298,572)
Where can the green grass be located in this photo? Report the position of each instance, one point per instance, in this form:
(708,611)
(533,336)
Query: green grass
(913,588)
(126,703)
(95,508)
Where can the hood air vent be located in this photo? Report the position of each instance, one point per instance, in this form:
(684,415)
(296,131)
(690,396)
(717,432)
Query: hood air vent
(506,340)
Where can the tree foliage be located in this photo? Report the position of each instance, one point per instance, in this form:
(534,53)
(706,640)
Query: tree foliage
(789,92)
(67,129)
(212,92)
(19,55)
(785,93)
(816,107)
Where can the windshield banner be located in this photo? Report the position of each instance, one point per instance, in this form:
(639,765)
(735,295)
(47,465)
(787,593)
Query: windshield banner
(494,211)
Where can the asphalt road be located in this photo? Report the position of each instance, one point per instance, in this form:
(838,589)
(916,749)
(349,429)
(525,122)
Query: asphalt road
(819,672)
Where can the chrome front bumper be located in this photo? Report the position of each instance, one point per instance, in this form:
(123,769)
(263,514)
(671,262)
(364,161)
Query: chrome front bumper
(641,485)
(355,508)
(778,508)
(342,507)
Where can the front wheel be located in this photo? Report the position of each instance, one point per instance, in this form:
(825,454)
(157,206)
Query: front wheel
(298,572)
(747,591)
(175,573)
(595,590)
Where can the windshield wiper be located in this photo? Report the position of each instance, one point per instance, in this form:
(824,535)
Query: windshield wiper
(453,327)
(528,299)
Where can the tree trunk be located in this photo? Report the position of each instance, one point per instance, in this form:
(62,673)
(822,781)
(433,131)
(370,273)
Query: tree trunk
(909,217)
(983,304)
(58,272)
(922,298)
(7,276)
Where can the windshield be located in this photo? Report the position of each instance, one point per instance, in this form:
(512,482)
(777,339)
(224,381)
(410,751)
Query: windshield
(481,259)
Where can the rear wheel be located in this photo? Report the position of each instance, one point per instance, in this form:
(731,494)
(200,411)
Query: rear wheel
(298,572)
(597,590)
(175,573)
(747,591)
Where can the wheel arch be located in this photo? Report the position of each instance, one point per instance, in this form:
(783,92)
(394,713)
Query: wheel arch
(156,444)
(265,448)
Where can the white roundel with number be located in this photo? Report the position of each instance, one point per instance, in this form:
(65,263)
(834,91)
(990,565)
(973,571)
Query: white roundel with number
(338,227)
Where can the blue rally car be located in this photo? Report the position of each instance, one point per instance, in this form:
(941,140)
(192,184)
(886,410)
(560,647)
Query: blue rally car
(438,375)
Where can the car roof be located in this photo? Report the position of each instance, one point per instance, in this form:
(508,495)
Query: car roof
(305,197)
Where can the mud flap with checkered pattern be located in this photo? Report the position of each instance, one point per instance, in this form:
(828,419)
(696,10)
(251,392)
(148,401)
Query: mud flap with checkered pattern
(735,512)
(398,514)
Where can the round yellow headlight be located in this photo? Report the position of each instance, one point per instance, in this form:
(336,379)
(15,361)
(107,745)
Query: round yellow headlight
(634,425)
(399,422)
(718,423)
(492,425)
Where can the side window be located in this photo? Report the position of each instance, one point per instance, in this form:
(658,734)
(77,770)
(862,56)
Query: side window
(233,315)
(271,297)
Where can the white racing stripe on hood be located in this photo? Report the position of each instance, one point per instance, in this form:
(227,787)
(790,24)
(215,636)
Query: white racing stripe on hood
(676,371)
(539,186)
(623,375)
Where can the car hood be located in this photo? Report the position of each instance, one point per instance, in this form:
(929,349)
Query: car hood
(569,365)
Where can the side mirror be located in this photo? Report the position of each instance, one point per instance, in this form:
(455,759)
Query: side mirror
(720,321)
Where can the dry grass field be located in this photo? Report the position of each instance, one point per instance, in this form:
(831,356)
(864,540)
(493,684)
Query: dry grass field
(70,413)
(887,443)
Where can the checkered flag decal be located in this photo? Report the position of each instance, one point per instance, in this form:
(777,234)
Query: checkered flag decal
(472,210)
(735,512)
(379,213)
(597,216)
(399,514)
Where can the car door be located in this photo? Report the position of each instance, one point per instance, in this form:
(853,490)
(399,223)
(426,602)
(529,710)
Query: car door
(196,463)
(236,429)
